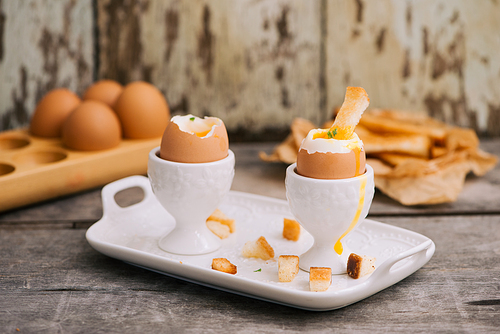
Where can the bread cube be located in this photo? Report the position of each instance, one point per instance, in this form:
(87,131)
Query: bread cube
(219,229)
(360,265)
(291,229)
(288,267)
(222,264)
(259,248)
(219,216)
(320,278)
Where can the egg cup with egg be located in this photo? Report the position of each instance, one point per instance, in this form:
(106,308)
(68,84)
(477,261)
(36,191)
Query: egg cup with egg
(191,173)
(329,190)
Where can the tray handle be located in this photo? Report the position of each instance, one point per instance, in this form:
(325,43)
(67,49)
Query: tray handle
(423,252)
(109,191)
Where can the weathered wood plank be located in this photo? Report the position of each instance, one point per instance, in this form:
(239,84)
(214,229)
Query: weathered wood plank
(43,45)
(53,281)
(258,64)
(255,64)
(438,56)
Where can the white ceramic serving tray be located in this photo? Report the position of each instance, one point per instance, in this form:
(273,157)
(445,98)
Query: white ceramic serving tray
(131,234)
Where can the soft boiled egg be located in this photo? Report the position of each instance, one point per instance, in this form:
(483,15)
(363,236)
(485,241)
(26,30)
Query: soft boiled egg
(336,153)
(190,139)
(321,157)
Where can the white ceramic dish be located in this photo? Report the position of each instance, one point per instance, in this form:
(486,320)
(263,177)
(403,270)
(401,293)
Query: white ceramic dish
(131,234)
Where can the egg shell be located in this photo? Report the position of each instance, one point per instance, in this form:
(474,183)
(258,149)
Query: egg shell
(142,110)
(328,165)
(105,91)
(92,126)
(180,146)
(52,111)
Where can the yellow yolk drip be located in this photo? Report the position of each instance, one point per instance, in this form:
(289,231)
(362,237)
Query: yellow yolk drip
(338,245)
(357,155)
(357,152)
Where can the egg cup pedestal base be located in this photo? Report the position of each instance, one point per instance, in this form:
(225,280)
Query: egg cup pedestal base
(324,256)
(184,241)
(329,209)
(190,193)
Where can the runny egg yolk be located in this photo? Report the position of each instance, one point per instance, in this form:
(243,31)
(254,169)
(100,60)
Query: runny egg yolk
(337,133)
(201,127)
(202,134)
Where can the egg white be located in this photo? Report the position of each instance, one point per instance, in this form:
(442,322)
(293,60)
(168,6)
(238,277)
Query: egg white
(193,124)
(324,145)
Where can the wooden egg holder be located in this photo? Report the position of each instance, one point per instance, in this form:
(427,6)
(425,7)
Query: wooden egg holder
(34,169)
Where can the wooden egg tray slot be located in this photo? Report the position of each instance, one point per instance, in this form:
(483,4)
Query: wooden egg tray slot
(34,169)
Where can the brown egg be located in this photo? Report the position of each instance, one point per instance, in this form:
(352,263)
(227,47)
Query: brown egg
(52,111)
(105,91)
(327,165)
(92,126)
(322,157)
(190,139)
(142,110)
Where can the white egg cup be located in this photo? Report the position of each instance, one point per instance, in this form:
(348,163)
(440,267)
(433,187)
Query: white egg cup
(190,192)
(326,209)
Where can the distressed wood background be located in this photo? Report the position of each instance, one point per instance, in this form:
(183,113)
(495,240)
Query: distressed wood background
(258,64)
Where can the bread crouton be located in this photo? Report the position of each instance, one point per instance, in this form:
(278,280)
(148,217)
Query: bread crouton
(360,265)
(291,229)
(219,229)
(259,248)
(320,278)
(222,264)
(288,267)
(220,217)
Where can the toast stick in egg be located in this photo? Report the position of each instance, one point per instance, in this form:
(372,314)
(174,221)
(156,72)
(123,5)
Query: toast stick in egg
(355,103)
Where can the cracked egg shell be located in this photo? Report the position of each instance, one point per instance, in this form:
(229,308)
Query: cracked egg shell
(189,139)
(330,165)
(321,158)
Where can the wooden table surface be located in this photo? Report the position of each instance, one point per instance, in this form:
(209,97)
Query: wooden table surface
(52,281)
